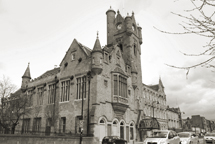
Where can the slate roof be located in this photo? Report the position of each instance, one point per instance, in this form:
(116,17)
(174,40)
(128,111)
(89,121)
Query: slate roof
(97,45)
(17,93)
(27,73)
(50,73)
(154,87)
(85,48)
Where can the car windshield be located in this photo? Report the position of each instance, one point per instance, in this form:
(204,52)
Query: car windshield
(210,134)
(159,134)
(183,135)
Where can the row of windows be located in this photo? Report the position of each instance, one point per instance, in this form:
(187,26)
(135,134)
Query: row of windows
(153,97)
(120,89)
(116,129)
(159,114)
(37,122)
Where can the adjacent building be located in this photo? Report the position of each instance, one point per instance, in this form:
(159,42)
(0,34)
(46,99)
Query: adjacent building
(198,124)
(174,119)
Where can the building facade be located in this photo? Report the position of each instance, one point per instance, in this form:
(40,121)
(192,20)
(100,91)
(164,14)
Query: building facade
(97,91)
(174,118)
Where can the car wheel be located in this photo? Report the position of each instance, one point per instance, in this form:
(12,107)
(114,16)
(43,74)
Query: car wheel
(180,142)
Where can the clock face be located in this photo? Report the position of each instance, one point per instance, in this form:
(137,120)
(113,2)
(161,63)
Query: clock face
(119,26)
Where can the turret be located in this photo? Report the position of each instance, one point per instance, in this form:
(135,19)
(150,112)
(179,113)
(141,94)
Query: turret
(128,25)
(110,25)
(26,78)
(140,34)
(97,57)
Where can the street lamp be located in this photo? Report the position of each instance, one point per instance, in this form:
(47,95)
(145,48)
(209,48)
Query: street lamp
(154,107)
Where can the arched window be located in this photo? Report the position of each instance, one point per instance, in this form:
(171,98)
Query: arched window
(115,128)
(122,127)
(132,131)
(102,129)
(102,121)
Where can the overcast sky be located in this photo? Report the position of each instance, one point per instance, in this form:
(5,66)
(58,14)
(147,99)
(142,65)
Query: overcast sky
(41,31)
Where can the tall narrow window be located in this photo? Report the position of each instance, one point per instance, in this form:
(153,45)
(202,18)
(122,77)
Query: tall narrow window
(131,131)
(51,93)
(36,125)
(106,57)
(122,130)
(25,125)
(40,96)
(121,48)
(120,86)
(63,125)
(73,56)
(135,50)
(29,98)
(65,91)
(115,85)
(81,87)
(114,128)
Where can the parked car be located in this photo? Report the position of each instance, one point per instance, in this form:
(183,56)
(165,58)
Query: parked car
(113,140)
(188,138)
(209,137)
(162,137)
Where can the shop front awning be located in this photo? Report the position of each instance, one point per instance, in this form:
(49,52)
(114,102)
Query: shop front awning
(149,124)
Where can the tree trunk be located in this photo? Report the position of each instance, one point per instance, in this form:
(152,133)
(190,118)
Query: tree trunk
(13,128)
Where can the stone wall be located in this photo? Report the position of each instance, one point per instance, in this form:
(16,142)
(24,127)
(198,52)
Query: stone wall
(20,139)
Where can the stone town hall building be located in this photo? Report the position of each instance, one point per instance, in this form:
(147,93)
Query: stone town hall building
(115,101)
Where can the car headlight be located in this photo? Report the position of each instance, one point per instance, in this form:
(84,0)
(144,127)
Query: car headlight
(162,142)
(144,142)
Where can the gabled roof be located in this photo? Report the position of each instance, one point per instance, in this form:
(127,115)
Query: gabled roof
(86,50)
(49,73)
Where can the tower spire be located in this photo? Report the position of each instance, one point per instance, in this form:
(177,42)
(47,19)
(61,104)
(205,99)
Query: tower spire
(97,45)
(27,72)
(26,78)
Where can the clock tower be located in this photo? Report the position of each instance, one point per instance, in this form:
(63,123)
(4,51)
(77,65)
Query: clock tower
(126,33)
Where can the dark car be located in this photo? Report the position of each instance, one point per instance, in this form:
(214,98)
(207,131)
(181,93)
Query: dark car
(113,140)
